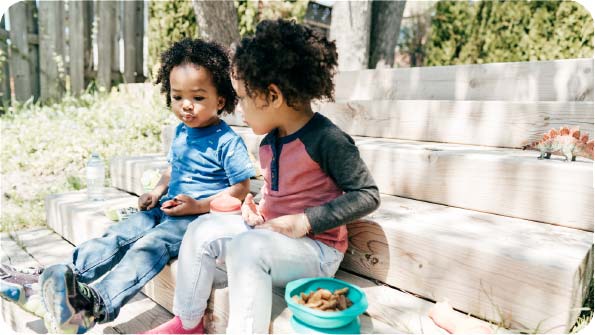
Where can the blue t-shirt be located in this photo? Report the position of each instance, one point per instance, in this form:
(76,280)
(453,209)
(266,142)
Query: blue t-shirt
(205,161)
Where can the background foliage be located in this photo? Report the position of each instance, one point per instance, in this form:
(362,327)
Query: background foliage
(508,31)
(45,148)
(251,12)
(169,21)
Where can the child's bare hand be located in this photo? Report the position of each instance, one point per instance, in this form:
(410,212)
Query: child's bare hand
(293,225)
(147,201)
(180,205)
(250,212)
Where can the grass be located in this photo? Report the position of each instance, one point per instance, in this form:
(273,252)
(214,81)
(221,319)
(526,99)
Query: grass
(44,149)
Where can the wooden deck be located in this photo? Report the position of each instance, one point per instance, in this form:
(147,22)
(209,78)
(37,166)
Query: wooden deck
(42,247)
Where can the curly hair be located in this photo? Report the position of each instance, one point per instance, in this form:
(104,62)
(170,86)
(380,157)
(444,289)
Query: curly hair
(209,55)
(294,57)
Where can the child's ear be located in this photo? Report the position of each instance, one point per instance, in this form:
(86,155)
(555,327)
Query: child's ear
(275,96)
(220,103)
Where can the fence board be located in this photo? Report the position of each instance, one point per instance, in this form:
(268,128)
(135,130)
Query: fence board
(76,36)
(117,36)
(19,53)
(51,48)
(130,51)
(89,18)
(5,77)
(139,40)
(33,30)
(105,36)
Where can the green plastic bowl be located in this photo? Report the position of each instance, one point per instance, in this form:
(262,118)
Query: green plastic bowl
(323,319)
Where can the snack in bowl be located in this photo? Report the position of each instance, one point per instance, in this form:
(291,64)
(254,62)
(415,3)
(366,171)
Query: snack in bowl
(327,318)
(325,300)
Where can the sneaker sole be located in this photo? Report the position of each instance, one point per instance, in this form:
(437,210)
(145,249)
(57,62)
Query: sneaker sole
(54,293)
(12,292)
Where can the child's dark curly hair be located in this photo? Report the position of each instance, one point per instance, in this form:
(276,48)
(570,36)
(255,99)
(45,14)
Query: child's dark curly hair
(293,57)
(209,55)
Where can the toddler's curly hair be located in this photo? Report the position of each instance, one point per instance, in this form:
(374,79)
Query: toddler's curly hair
(209,55)
(294,57)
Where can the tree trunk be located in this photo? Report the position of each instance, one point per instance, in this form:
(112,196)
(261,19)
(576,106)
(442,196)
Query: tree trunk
(217,21)
(386,23)
(350,28)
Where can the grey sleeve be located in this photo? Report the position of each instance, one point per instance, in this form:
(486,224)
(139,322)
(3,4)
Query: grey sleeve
(340,159)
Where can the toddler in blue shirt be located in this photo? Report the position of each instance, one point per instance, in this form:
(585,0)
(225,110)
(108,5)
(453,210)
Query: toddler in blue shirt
(206,159)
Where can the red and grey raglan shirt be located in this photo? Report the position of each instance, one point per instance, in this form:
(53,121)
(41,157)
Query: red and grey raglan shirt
(317,170)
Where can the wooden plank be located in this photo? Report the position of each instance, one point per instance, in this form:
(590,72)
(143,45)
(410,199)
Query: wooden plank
(490,123)
(139,40)
(500,181)
(19,53)
(139,314)
(126,171)
(117,36)
(76,34)
(487,123)
(498,268)
(5,92)
(64,209)
(51,50)
(33,31)
(133,43)
(558,80)
(88,19)
(105,36)
(15,318)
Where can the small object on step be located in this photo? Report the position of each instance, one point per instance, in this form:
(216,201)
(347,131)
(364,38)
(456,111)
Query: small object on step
(120,214)
(125,213)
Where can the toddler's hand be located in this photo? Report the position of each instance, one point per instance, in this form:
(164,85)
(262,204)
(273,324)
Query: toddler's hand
(293,225)
(250,212)
(147,201)
(182,205)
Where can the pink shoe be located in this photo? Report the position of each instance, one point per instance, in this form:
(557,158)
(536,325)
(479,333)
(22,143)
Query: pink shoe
(174,326)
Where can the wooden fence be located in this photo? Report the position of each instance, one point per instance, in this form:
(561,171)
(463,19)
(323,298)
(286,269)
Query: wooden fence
(49,48)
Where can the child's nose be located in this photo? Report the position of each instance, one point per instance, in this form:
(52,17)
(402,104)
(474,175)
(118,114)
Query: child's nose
(186,104)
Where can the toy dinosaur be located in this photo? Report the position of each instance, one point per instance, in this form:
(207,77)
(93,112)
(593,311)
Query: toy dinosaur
(566,142)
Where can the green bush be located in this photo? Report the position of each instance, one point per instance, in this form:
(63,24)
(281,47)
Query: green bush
(250,14)
(508,31)
(169,21)
(44,149)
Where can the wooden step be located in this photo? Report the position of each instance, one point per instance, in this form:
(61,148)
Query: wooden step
(409,311)
(554,80)
(494,267)
(494,180)
(43,247)
(126,171)
(511,124)
(558,80)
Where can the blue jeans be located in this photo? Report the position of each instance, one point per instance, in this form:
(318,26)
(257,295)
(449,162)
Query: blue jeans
(130,253)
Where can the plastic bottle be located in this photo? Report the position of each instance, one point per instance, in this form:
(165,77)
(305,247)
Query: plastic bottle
(95,178)
(225,204)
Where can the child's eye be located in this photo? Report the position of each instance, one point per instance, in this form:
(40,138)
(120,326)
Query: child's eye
(198,98)
(176,97)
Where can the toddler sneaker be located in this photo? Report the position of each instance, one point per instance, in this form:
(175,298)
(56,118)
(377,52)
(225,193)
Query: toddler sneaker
(70,305)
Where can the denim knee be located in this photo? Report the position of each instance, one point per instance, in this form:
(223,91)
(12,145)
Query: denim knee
(249,247)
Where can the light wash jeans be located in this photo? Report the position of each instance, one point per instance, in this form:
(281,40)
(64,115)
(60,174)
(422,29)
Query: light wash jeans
(130,253)
(254,260)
